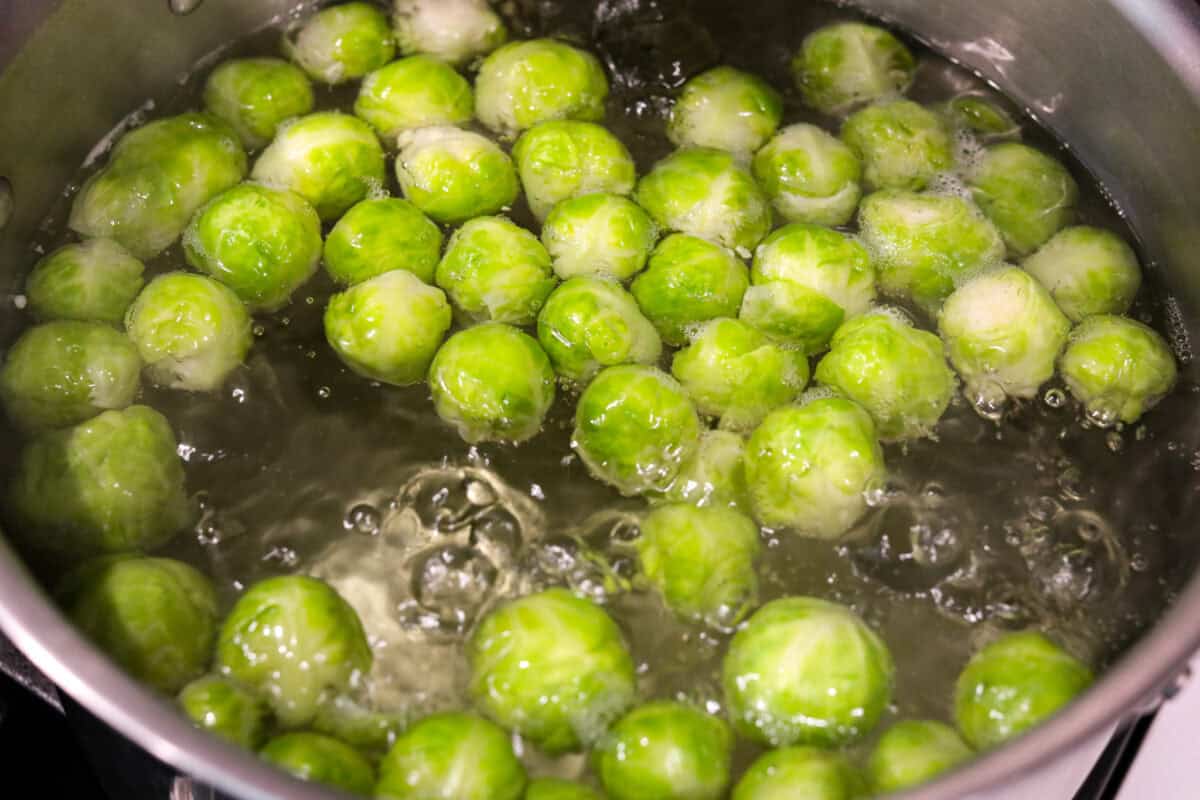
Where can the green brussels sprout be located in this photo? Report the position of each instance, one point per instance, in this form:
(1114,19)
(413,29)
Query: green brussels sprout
(634,428)
(726,109)
(342,43)
(1003,334)
(809,175)
(262,243)
(734,373)
(809,467)
(332,160)
(1028,195)
(414,92)
(155,179)
(1088,271)
(1013,684)
(665,751)
(715,474)
(901,144)
(93,281)
(109,485)
(454,31)
(257,95)
(524,83)
(708,194)
(588,323)
(924,245)
(1117,368)
(321,759)
(492,383)
(495,271)
(63,372)
(552,667)
(388,328)
(701,561)
(227,710)
(155,617)
(453,175)
(842,65)
(556,789)
(604,235)
(190,330)
(378,236)
(365,729)
(806,671)
(561,159)
(897,373)
(978,115)
(451,757)
(689,281)
(914,752)
(296,642)
(799,772)
(807,280)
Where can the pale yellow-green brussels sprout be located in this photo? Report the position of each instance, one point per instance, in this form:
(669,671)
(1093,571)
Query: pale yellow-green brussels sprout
(453,175)
(414,92)
(93,281)
(524,83)
(495,271)
(227,710)
(602,235)
(979,115)
(190,331)
(901,144)
(454,756)
(1028,195)
(715,475)
(791,773)
(257,95)
(848,63)
(561,159)
(727,109)
(1117,368)
(809,175)
(454,31)
(342,43)
(913,752)
(378,236)
(321,759)
(1088,271)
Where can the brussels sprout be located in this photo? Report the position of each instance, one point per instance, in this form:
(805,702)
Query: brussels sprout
(923,245)
(806,671)
(389,327)
(155,179)
(495,271)
(552,667)
(365,729)
(561,159)
(589,323)
(733,372)
(665,751)
(64,372)
(414,92)
(799,772)
(914,752)
(451,757)
(454,31)
(727,109)
(809,467)
(524,83)
(708,194)
(1088,271)
(295,641)
(190,330)
(321,759)
(634,428)
(604,235)
(260,242)
(701,560)
(976,114)
(492,383)
(842,65)
(155,617)
(689,281)
(901,144)
(556,789)
(897,373)
(332,160)
(1013,684)
(809,175)
(1028,195)
(93,281)
(1117,368)
(807,280)
(342,43)
(715,475)
(453,175)
(1003,333)
(378,236)
(109,485)
(257,95)
(226,710)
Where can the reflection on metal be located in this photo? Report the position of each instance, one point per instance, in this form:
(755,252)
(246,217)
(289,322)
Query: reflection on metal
(182,7)
(6,202)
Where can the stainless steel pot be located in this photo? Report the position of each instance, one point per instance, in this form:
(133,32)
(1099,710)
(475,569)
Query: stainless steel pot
(1118,79)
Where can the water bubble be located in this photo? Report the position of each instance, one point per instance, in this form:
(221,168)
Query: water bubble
(1102,418)
(497,534)
(363,518)
(440,498)
(1055,398)
(480,493)
(453,583)
(1139,563)
(282,554)
(259,329)
(1071,485)
(914,543)
(324,392)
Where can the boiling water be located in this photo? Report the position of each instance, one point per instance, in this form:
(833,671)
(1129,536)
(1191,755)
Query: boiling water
(297,465)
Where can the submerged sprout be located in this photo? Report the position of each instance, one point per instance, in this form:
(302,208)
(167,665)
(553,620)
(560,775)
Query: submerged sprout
(364,728)
(321,759)
(414,92)
(842,65)
(799,772)
(901,144)
(1088,271)
(524,83)
(454,31)
(342,43)
(93,281)
(453,175)
(257,95)
(914,752)
(557,789)
(562,159)
(455,756)
(974,113)
(378,236)
(727,109)
(604,235)
(495,271)
(715,475)
(809,175)
(1117,368)
(227,710)
(1027,194)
